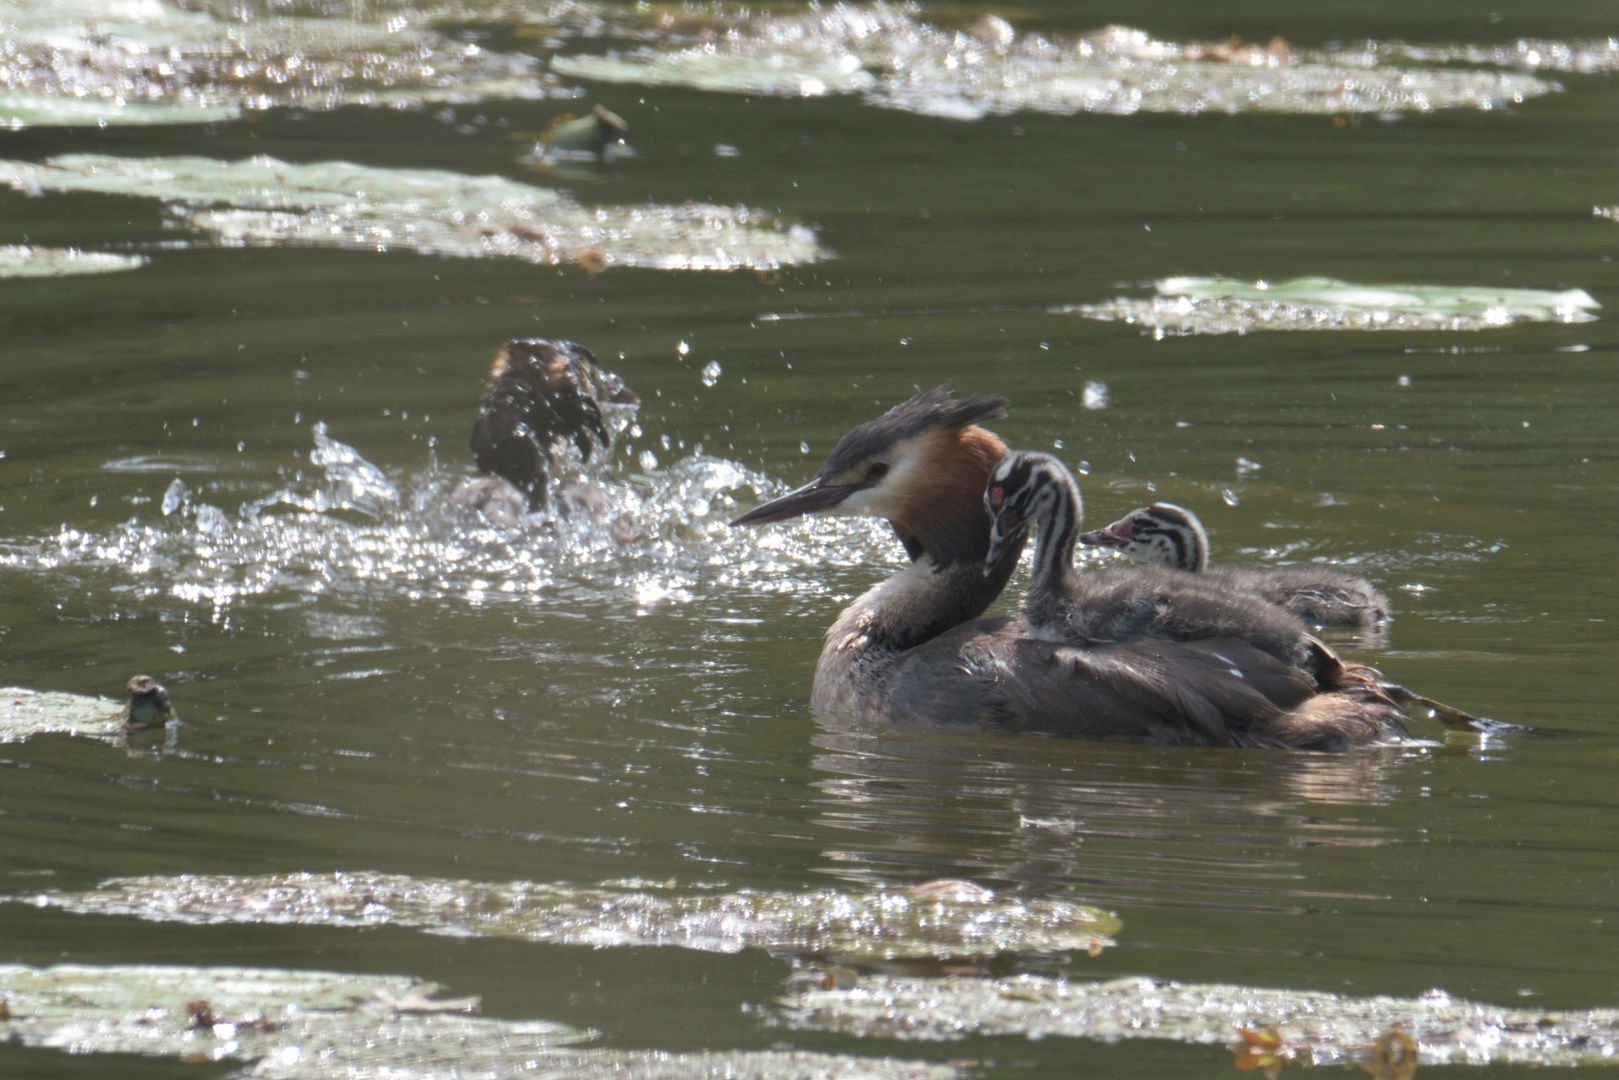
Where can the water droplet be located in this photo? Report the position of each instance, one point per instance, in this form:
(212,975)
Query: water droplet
(1245,467)
(803,448)
(1404,380)
(1056,443)
(1230,497)
(1095,395)
(648,460)
(682,348)
(174,497)
(711,373)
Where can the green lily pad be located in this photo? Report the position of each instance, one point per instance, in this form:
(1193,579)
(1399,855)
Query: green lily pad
(1316,1027)
(924,923)
(19,111)
(20,260)
(1218,306)
(25,713)
(431,211)
(77,62)
(317,1025)
(896,60)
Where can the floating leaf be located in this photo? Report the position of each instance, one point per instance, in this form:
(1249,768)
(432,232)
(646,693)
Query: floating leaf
(24,713)
(1218,306)
(76,62)
(316,1025)
(1308,1026)
(898,61)
(336,204)
(21,260)
(891,925)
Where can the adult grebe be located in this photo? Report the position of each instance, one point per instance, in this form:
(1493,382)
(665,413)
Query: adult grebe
(914,650)
(1173,537)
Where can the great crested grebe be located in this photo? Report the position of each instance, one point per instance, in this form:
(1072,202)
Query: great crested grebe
(541,396)
(914,650)
(1173,537)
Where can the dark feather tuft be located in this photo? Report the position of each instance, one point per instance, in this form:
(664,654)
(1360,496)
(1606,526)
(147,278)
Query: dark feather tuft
(930,410)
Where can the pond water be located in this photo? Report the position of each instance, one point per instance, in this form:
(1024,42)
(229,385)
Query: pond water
(369,682)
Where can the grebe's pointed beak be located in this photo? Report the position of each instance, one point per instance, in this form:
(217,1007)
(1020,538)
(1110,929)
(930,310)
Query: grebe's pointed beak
(1115,535)
(1000,542)
(813,496)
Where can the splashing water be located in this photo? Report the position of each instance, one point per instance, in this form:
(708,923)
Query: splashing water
(352,533)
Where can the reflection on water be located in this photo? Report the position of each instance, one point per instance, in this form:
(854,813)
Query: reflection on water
(1118,825)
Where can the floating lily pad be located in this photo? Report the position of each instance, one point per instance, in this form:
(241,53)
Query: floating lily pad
(1318,1028)
(20,260)
(1218,306)
(316,1025)
(18,111)
(892,925)
(76,62)
(25,713)
(898,61)
(337,204)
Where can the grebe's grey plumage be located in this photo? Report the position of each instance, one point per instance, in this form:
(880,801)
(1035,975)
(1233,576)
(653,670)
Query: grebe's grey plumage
(542,395)
(1173,537)
(1060,604)
(913,649)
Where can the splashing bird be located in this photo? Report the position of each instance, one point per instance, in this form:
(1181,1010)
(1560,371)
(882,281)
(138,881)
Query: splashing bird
(542,396)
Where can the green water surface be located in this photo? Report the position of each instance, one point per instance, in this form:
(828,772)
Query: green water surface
(579,734)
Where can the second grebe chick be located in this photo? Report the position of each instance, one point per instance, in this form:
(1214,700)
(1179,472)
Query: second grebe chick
(1060,604)
(1173,537)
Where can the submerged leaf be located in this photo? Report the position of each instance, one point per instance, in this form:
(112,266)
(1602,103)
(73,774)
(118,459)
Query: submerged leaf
(1218,306)
(316,1025)
(435,212)
(24,713)
(1386,1035)
(23,260)
(874,925)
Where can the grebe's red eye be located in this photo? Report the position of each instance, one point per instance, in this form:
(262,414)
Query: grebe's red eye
(877,471)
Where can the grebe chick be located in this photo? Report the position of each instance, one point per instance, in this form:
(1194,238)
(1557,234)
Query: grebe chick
(1060,604)
(914,650)
(1173,537)
(148,704)
(541,396)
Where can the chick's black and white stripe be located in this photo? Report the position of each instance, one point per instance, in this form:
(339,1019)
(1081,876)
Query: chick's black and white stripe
(1120,605)
(1173,537)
